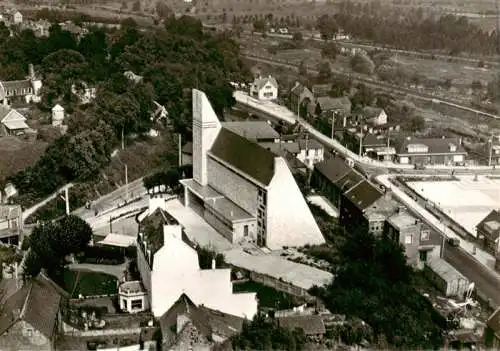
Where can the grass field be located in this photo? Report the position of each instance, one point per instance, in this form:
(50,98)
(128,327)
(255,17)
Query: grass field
(268,297)
(16,154)
(89,283)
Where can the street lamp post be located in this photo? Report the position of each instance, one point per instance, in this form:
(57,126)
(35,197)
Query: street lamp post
(490,142)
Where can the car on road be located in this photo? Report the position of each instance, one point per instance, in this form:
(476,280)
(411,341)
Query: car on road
(453,242)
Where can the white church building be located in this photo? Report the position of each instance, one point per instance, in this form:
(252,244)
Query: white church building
(243,190)
(169,267)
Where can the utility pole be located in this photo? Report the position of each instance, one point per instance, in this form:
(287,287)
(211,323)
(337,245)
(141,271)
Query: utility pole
(66,199)
(490,142)
(361,141)
(180,149)
(126,183)
(333,123)
(123,138)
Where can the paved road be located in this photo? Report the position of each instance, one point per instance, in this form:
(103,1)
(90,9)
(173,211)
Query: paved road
(102,220)
(486,281)
(29,211)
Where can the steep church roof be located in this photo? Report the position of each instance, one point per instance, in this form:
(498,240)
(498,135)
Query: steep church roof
(244,155)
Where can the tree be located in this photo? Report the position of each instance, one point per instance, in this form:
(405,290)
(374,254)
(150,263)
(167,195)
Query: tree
(297,37)
(162,10)
(136,7)
(73,234)
(329,51)
(259,25)
(206,255)
(327,27)
(303,68)
(324,72)
(361,63)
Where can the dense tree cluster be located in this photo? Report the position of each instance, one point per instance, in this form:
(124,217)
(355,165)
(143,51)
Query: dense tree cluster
(172,60)
(410,30)
(264,334)
(373,282)
(51,242)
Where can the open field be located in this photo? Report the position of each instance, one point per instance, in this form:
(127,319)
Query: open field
(465,200)
(16,154)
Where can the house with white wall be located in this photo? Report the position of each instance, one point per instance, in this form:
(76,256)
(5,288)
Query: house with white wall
(243,190)
(311,152)
(264,88)
(169,266)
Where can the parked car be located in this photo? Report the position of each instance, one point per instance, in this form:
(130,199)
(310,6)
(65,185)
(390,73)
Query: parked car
(453,242)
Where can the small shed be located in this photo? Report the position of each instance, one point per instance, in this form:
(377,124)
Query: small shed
(446,278)
(57,115)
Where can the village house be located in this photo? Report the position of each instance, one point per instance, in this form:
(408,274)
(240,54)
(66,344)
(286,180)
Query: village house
(85,93)
(366,142)
(488,231)
(337,109)
(312,325)
(11,224)
(366,206)
(132,297)
(189,326)
(27,89)
(256,131)
(374,116)
(264,88)
(445,277)
(300,95)
(31,317)
(133,77)
(12,122)
(320,90)
(438,151)
(334,176)
(243,190)
(168,264)
(420,242)
(311,152)
(13,17)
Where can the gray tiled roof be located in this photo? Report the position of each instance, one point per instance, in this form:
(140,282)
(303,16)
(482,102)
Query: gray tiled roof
(37,303)
(364,194)
(244,155)
(333,168)
(17,84)
(252,129)
(435,145)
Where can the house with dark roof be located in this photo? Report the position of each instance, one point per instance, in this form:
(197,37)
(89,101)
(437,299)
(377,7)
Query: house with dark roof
(320,90)
(243,190)
(300,95)
(437,151)
(27,89)
(168,264)
(206,327)
(257,131)
(31,317)
(11,224)
(264,88)
(366,206)
(334,176)
(421,243)
(312,325)
(488,231)
(326,107)
(369,143)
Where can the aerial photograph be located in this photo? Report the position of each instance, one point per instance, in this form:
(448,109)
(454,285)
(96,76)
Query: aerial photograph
(191,175)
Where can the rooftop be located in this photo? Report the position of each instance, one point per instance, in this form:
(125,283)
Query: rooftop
(281,148)
(8,212)
(363,195)
(244,155)
(152,228)
(311,325)
(444,270)
(310,144)
(297,274)
(384,206)
(402,220)
(490,224)
(16,84)
(333,168)
(37,303)
(327,103)
(261,81)
(434,145)
(132,287)
(252,129)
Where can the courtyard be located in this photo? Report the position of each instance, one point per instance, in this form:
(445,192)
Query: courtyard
(466,200)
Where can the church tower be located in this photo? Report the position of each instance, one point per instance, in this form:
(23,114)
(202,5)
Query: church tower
(206,127)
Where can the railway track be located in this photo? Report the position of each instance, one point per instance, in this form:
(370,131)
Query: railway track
(377,85)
